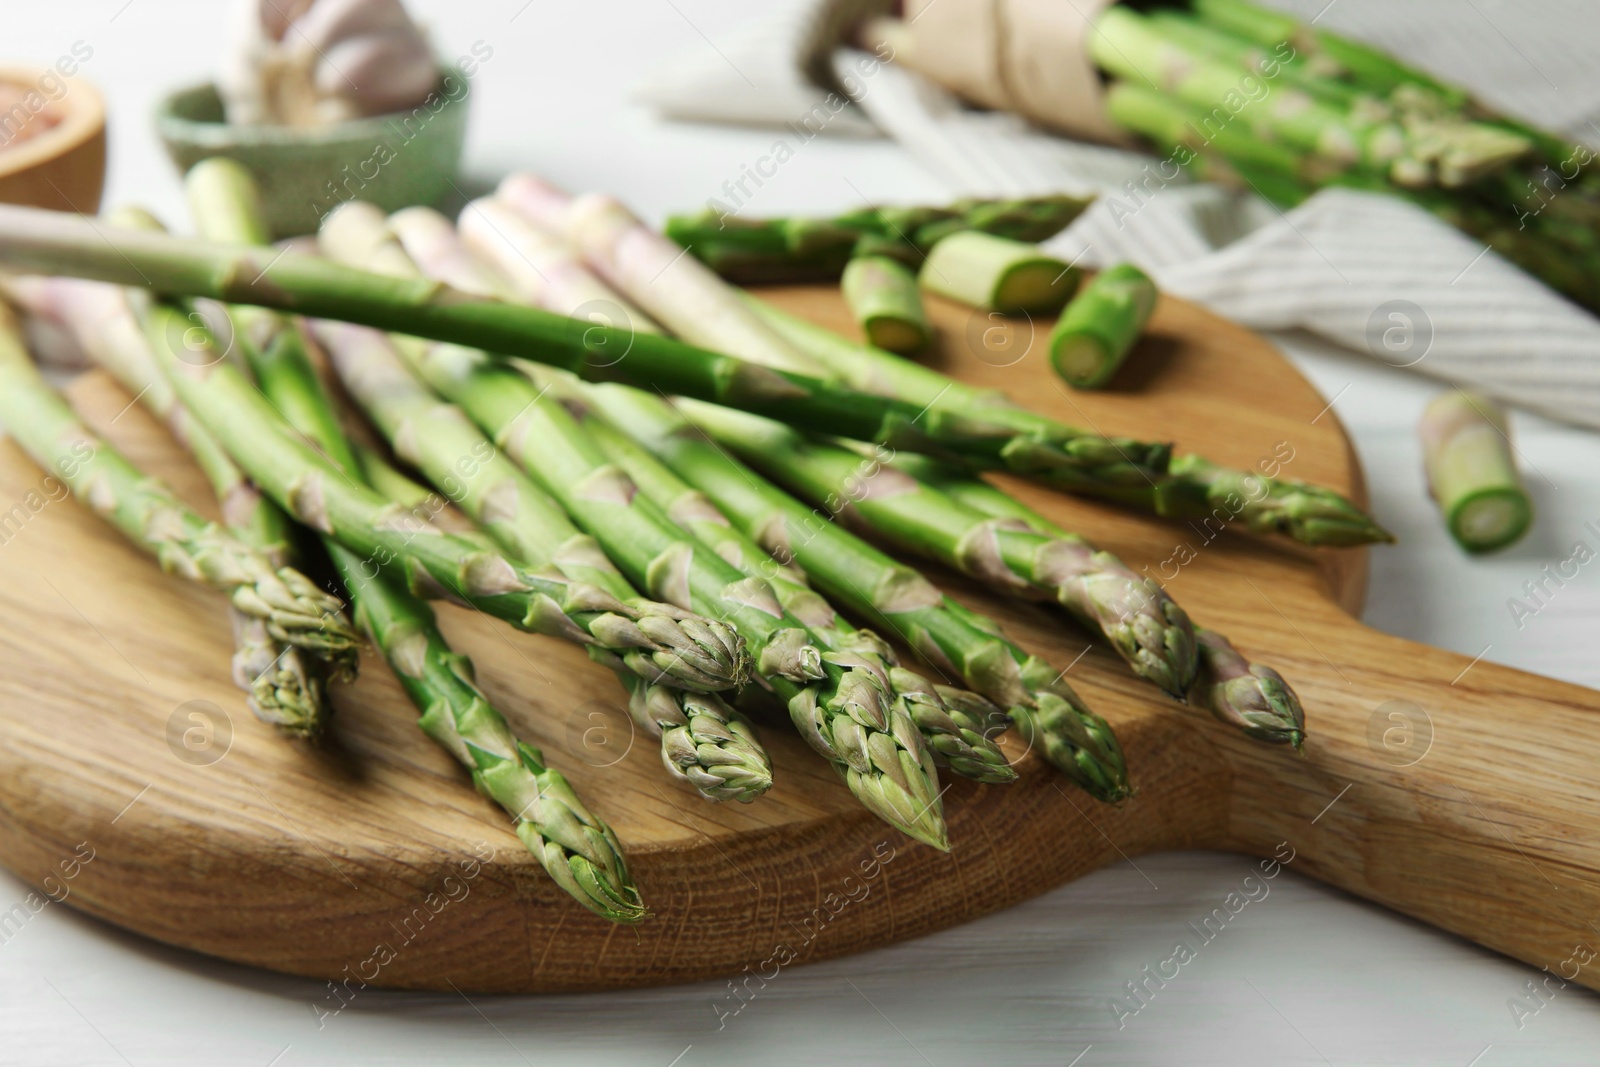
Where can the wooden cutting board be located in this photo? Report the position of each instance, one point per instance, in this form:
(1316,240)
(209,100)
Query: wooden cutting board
(1460,793)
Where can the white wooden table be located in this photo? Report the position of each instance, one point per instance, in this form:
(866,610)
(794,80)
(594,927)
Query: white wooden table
(1306,976)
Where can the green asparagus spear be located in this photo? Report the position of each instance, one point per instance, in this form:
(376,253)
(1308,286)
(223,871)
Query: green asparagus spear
(883,297)
(895,598)
(32,239)
(843,712)
(1193,487)
(1150,631)
(1229,703)
(579,851)
(286,686)
(1100,326)
(703,741)
(294,609)
(997,274)
(1471,472)
(1248,696)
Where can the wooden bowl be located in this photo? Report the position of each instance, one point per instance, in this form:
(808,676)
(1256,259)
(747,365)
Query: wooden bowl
(393,161)
(63,167)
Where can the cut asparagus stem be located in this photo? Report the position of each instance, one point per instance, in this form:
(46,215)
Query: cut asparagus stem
(957,730)
(286,686)
(1466,448)
(981,496)
(997,274)
(844,713)
(764,251)
(1150,631)
(703,741)
(37,240)
(681,292)
(1100,326)
(294,609)
(883,297)
(953,639)
(1248,696)
(1193,488)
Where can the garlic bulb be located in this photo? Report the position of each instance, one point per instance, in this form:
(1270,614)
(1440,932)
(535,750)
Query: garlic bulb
(313,62)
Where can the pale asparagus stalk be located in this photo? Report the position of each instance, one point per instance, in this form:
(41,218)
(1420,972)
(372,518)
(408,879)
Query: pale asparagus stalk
(543,271)
(678,290)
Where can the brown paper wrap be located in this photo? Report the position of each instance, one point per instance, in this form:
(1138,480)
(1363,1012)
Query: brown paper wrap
(1030,57)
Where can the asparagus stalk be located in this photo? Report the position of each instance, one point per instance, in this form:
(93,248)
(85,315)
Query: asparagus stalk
(1229,703)
(1372,69)
(763,251)
(897,599)
(578,850)
(32,239)
(1192,488)
(1144,625)
(543,270)
(956,729)
(703,741)
(294,609)
(997,274)
(286,686)
(1100,326)
(1471,473)
(682,293)
(883,297)
(1249,696)
(844,713)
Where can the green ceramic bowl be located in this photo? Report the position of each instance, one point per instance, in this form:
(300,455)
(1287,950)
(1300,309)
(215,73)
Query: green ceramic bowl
(394,161)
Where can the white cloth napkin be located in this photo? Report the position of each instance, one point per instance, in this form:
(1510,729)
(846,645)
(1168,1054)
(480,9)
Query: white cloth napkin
(1370,272)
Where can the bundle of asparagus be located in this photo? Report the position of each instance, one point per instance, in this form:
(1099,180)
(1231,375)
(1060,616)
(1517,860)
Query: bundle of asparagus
(579,496)
(1236,92)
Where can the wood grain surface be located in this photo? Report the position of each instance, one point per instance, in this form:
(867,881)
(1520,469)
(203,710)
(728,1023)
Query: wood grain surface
(1457,792)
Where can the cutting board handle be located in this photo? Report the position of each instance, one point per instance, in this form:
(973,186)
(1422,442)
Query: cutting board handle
(1451,789)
